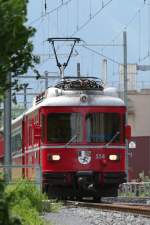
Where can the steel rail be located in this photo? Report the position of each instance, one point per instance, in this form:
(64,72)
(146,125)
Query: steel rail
(138,209)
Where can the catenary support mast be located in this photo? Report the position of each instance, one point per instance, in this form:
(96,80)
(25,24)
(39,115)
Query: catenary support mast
(7,131)
(126,92)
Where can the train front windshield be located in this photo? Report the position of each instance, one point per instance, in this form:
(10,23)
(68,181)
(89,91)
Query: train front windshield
(103,127)
(63,127)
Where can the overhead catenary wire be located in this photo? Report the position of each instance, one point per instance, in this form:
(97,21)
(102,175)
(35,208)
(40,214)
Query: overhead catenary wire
(113,58)
(100,54)
(127,24)
(90,13)
(51,11)
(139,15)
(148,9)
(91,17)
(77,27)
(103,5)
(147,55)
(45,16)
(100,45)
(45,6)
(57,21)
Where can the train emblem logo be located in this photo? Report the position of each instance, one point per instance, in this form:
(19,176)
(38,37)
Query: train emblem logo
(84,157)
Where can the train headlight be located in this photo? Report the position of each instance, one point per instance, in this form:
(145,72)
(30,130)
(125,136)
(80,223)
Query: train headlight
(55,157)
(114,157)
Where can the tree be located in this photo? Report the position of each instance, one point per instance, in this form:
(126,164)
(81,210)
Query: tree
(16,48)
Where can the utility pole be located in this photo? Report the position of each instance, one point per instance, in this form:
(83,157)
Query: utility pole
(46,80)
(1,115)
(25,95)
(104,70)
(126,93)
(7,131)
(78,69)
(125,71)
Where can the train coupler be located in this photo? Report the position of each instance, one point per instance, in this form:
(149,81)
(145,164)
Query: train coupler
(86,181)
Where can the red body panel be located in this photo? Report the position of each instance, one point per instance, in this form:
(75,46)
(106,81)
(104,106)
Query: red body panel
(69,160)
(69,156)
(39,152)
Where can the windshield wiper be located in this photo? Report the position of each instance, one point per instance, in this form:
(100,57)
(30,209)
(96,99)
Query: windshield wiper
(112,139)
(71,140)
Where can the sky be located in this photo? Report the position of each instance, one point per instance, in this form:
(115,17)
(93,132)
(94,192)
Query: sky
(96,22)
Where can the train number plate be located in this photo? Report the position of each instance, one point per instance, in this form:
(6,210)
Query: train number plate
(100,156)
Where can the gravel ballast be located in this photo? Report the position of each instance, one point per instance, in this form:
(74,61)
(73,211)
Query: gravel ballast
(84,216)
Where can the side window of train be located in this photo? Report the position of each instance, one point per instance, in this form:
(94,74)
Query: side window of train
(36,118)
(43,127)
(30,131)
(35,122)
(16,141)
(123,127)
(30,135)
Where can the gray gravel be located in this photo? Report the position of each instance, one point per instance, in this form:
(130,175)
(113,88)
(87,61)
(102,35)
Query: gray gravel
(84,216)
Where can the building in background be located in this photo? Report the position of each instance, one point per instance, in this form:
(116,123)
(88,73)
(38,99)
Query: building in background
(132,76)
(139,119)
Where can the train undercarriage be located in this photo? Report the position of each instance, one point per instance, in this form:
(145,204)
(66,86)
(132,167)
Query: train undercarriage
(82,184)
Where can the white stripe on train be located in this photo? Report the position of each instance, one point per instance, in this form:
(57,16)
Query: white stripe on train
(45,147)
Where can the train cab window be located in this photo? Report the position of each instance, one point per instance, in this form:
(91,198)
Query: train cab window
(103,127)
(64,127)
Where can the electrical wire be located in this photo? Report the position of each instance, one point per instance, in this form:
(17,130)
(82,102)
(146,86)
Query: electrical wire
(147,3)
(78,16)
(100,54)
(139,15)
(91,17)
(45,6)
(113,58)
(127,24)
(90,4)
(51,11)
(148,9)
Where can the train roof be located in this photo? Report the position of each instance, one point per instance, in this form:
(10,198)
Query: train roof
(57,97)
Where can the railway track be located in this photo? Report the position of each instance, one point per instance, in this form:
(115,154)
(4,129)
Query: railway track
(119,207)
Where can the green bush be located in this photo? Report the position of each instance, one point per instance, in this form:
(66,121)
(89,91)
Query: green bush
(26,202)
(23,190)
(28,214)
(23,204)
(5,215)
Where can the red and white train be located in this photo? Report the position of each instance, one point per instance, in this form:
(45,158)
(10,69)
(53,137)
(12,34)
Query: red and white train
(76,132)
